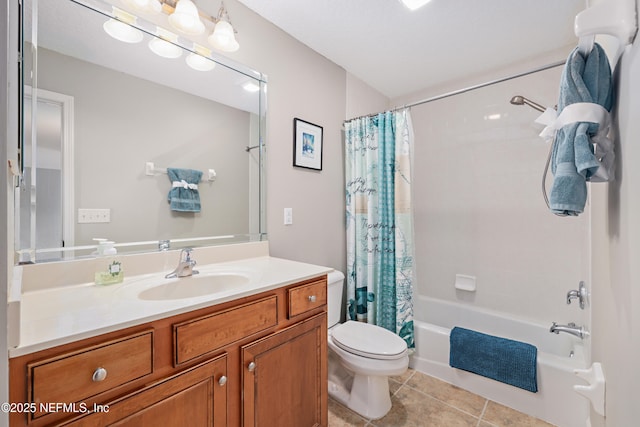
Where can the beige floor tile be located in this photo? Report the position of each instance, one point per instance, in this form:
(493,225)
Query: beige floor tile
(412,408)
(448,393)
(341,416)
(503,416)
(404,377)
(394,386)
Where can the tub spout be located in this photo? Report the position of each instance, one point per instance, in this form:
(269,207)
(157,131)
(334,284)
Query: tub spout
(571,328)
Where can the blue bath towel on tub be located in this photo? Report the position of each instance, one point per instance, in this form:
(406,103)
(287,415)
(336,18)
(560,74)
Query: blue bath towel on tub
(501,359)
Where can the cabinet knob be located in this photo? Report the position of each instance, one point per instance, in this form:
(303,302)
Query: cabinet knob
(312,298)
(222,381)
(99,374)
(251,367)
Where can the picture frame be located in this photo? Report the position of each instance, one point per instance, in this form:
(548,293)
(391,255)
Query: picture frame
(307,145)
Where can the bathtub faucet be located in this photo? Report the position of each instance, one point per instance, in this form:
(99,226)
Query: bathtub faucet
(580,294)
(571,328)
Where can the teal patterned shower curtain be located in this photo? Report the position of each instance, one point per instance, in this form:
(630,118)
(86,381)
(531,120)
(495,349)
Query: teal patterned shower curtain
(380,269)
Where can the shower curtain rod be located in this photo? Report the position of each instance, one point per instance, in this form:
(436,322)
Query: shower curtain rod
(467,89)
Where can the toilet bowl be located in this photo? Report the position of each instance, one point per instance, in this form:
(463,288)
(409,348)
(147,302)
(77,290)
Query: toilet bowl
(361,359)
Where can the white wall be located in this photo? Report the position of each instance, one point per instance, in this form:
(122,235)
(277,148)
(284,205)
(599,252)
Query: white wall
(479,208)
(616,270)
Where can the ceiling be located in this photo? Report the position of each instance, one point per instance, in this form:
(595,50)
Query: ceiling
(398,52)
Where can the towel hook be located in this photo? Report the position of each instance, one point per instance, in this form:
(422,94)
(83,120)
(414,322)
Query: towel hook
(585,44)
(613,17)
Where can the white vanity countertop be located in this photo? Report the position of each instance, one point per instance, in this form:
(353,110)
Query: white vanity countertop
(56,316)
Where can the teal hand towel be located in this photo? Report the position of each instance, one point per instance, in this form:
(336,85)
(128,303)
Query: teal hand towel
(508,361)
(573,161)
(184,196)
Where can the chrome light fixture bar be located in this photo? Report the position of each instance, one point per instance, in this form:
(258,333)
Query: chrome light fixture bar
(185,18)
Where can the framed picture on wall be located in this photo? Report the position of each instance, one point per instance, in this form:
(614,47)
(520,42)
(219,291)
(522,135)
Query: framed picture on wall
(307,145)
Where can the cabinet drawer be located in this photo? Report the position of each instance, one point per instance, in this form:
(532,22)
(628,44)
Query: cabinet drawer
(307,297)
(75,376)
(197,337)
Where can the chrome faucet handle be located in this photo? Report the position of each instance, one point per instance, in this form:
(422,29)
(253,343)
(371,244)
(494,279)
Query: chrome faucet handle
(580,294)
(185,254)
(572,295)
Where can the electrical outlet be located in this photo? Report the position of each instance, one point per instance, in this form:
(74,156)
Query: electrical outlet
(92,216)
(288,216)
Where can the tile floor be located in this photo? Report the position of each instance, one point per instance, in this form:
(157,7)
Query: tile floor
(423,401)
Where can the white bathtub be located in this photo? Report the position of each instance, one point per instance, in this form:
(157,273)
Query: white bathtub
(555,401)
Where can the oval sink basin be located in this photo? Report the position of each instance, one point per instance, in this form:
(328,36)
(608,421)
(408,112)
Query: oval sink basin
(194,286)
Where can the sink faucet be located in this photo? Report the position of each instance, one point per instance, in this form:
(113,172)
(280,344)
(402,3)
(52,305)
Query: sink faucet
(185,266)
(571,328)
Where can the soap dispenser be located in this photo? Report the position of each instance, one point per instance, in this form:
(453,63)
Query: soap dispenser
(108,266)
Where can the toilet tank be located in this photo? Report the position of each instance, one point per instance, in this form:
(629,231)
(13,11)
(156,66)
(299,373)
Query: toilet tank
(335,285)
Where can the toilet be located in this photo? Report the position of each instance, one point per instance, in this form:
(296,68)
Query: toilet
(362,356)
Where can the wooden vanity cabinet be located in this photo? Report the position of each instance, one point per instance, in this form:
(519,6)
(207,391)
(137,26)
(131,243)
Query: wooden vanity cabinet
(285,378)
(195,397)
(255,361)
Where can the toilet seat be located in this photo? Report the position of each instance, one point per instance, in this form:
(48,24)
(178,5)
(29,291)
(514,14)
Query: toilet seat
(366,340)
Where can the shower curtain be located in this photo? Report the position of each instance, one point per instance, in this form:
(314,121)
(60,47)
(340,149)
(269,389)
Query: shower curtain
(380,250)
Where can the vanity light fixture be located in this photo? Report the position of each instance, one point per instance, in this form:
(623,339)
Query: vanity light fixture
(200,59)
(223,37)
(415,4)
(120,29)
(185,18)
(163,46)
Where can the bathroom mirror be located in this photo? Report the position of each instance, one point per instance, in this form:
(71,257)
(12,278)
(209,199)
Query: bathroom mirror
(104,118)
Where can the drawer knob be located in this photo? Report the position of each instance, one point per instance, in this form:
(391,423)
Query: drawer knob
(312,298)
(251,367)
(99,375)
(222,381)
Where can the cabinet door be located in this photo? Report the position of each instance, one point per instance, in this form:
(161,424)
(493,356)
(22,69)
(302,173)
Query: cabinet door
(194,397)
(285,377)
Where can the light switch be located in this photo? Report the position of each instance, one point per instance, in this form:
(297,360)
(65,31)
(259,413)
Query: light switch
(288,216)
(91,216)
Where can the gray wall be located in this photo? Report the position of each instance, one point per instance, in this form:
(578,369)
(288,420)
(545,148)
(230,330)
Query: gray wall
(302,84)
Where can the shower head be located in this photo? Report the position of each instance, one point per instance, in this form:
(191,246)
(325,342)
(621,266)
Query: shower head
(517,100)
(521,100)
